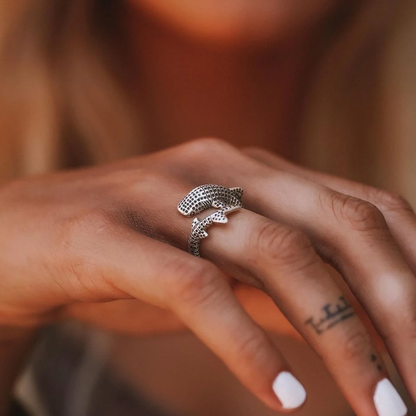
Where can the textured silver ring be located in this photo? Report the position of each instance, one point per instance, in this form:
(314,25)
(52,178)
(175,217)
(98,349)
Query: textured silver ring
(203,197)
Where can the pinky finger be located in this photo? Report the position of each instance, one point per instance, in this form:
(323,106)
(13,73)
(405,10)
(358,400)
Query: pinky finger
(207,305)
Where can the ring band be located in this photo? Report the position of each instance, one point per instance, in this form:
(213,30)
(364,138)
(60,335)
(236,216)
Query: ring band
(203,197)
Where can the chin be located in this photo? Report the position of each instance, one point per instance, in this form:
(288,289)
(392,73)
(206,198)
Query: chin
(239,22)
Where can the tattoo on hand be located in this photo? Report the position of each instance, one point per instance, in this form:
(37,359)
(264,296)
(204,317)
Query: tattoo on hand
(332,314)
(373,358)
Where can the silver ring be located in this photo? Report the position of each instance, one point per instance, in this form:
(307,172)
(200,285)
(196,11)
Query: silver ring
(203,197)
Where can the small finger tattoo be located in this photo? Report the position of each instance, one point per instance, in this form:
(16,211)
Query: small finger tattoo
(375,360)
(331,315)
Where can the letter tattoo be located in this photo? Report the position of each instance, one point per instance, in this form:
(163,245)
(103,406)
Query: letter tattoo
(332,314)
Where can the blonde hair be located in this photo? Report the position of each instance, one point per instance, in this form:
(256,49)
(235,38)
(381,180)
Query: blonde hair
(360,119)
(62,77)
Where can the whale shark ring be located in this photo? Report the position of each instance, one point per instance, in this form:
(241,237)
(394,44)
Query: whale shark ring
(203,197)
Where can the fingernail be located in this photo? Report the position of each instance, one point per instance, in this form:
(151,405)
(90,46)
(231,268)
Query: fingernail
(387,401)
(289,390)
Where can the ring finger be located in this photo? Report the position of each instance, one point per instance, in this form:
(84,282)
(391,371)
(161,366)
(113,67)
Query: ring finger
(282,261)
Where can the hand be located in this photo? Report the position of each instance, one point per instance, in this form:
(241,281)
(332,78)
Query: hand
(100,234)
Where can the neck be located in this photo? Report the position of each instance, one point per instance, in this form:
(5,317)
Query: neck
(188,90)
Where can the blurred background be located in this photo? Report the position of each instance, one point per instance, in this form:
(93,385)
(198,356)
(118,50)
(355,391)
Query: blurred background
(327,84)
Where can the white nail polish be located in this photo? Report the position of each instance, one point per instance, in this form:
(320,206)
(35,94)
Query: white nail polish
(387,401)
(289,391)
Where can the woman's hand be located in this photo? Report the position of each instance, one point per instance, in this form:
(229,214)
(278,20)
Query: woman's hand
(114,232)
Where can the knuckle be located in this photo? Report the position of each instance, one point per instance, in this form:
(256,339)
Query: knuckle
(191,282)
(404,327)
(76,275)
(76,229)
(84,279)
(359,214)
(125,186)
(355,345)
(254,348)
(282,243)
(79,270)
(389,201)
(208,145)
(94,219)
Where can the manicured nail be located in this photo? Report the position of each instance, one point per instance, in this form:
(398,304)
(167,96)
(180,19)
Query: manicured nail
(289,391)
(387,401)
